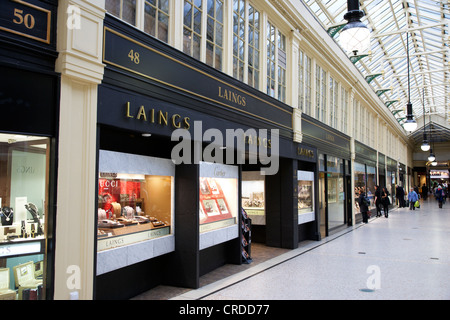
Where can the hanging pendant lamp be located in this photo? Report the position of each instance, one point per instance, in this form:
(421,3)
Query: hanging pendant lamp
(410,124)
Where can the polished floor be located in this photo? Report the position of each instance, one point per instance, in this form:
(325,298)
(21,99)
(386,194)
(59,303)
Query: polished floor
(403,257)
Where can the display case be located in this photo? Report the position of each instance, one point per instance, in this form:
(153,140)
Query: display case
(135,199)
(5,292)
(218,196)
(24,173)
(253,197)
(305,192)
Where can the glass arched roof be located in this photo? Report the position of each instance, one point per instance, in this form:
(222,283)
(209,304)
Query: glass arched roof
(385,65)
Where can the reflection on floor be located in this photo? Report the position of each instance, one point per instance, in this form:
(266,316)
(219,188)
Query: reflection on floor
(260,253)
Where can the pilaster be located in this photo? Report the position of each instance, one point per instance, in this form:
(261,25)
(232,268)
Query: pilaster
(79,43)
(297,125)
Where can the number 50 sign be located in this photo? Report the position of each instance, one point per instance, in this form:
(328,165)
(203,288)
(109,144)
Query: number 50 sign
(26,19)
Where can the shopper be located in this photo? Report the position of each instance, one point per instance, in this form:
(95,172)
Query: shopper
(385,201)
(400,194)
(378,203)
(364,203)
(424,192)
(412,198)
(439,194)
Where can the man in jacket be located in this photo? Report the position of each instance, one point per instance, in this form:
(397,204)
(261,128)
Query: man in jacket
(412,197)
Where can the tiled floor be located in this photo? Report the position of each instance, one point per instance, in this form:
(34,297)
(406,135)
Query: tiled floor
(260,254)
(406,256)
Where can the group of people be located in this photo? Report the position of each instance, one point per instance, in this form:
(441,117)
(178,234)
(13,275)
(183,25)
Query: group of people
(382,200)
(440,193)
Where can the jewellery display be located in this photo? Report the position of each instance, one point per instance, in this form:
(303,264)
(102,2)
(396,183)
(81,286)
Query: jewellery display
(7,215)
(305,188)
(31,207)
(26,201)
(213,202)
(253,196)
(130,204)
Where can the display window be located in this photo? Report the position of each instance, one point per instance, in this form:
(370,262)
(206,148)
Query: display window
(218,196)
(360,182)
(135,199)
(253,198)
(371,182)
(24,172)
(305,192)
(335,191)
(392,176)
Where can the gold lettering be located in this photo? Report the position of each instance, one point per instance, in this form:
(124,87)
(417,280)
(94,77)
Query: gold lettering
(305,152)
(176,120)
(330,137)
(128,111)
(174,123)
(163,117)
(232,97)
(141,113)
(153,115)
(187,125)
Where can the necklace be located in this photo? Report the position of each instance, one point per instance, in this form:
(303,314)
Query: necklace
(8,217)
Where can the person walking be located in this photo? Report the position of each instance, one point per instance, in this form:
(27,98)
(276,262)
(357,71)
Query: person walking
(378,203)
(412,198)
(364,203)
(385,201)
(400,194)
(439,195)
(424,192)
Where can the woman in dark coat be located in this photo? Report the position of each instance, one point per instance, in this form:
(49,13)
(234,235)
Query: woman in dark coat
(439,195)
(363,207)
(385,201)
(378,202)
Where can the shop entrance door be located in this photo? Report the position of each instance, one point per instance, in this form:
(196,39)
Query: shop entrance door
(322,205)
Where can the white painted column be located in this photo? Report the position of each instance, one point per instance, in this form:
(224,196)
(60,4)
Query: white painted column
(81,68)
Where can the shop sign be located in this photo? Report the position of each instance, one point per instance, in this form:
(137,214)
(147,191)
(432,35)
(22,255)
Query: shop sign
(325,138)
(161,117)
(26,19)
(143,59)
(438,174)
(120,241)
(20,248)
(309,153)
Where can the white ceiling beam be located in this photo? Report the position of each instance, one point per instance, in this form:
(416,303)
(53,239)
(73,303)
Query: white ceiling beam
(402,31)
(418,54)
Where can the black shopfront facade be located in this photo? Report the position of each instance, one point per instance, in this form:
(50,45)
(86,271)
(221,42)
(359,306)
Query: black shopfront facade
(29,100)
(334,175)
(170,204)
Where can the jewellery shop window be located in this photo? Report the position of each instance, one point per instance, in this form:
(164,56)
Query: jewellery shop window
(218,196)
(24,172)
(253,196)
(305,192)
(135,199)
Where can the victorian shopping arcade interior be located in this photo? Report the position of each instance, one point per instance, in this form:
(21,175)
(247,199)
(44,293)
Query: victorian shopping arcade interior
(224,149)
